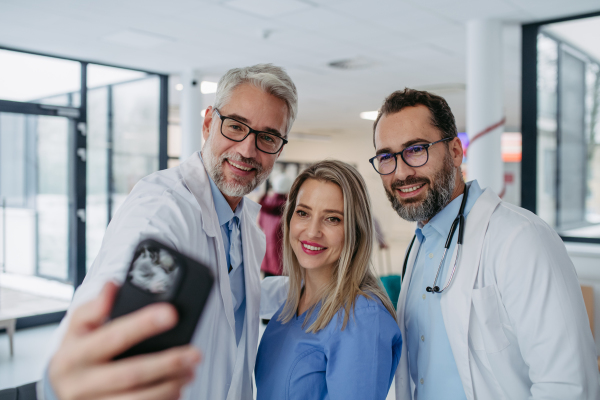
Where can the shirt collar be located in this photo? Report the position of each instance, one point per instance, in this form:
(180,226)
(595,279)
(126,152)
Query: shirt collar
(224,212)
(442,221)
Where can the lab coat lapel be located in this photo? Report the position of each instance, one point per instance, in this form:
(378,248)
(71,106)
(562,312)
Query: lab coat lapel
(196,180)
(253,248)
(402,373)
(456,300)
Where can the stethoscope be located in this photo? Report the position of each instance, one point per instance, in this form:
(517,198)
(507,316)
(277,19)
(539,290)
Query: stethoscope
(459,222)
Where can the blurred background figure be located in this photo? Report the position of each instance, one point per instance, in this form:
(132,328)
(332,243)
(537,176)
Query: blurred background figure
(269,219)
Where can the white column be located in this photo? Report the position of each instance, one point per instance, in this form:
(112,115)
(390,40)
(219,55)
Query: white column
(191,118)
(485,103)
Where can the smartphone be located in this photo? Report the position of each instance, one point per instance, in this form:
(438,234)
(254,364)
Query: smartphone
(157,274)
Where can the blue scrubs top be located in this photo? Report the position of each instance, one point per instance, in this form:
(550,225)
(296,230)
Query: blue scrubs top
(358,362)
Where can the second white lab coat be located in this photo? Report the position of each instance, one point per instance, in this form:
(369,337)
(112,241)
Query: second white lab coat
(514,312)
(175,206)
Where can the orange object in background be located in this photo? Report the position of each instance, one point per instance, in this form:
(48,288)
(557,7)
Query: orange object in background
(511,146)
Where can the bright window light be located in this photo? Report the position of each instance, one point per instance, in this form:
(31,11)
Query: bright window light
(179,86)
(370,115)
(208,87)
(203,113)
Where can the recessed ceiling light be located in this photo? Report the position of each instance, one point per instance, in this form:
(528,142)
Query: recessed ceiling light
(370,115)
(179,86)
(208,87)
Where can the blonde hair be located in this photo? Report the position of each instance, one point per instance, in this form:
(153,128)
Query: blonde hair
(353,275)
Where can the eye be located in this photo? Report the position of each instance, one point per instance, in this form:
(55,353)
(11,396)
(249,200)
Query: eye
(385,158)
(266,138)
(415,150)
(301,213)
(335,220)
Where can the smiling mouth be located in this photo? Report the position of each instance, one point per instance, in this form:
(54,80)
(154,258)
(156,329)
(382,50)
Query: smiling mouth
(238,166)
(313,248)
(411,189)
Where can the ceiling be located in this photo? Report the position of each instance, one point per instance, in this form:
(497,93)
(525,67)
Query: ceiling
(395,43)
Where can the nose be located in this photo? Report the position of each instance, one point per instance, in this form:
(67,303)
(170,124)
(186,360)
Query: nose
(247,147)
(314,228)
(403,170)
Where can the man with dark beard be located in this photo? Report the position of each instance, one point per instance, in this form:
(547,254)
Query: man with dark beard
(500,317)
(199,209)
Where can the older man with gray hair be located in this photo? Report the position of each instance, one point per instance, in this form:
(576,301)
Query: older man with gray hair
(199,209)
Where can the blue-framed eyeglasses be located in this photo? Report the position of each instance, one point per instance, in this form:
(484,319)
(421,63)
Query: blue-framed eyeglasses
(414,156)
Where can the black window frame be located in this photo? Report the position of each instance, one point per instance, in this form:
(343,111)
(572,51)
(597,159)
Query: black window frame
(529,113)
(77,185)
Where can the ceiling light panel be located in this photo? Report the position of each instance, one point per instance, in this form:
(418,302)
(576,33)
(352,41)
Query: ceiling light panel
(268,8)
(137,39)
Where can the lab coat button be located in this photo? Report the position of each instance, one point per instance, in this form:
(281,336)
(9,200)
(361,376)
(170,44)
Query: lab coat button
(430,255)
(422,338)
(424,297)
(422,381)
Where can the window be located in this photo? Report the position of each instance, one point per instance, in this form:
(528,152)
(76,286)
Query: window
(561,119)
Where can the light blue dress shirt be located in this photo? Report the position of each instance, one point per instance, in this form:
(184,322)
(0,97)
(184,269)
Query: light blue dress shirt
(227,220)
(356,363)
(431,362)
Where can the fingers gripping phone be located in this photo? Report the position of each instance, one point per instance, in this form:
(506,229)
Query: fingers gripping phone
(159,273)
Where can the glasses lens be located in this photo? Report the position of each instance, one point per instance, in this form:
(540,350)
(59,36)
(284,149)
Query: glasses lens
(234,130)
(268,143)
(415,156)
(385,163)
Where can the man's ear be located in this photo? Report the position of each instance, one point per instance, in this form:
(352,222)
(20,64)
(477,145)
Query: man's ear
(456,150)
(206,123)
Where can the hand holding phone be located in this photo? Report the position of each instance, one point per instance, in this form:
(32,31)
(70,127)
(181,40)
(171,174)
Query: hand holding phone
(83,366)
(157,274)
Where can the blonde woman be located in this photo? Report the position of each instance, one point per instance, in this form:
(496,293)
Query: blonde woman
(336,336)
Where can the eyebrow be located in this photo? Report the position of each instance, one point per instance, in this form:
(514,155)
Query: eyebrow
(405,145)
(239,118)
(327,211)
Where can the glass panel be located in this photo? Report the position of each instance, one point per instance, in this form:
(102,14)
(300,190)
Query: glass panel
(568,127)
(34,218)
(97,171)
(33,78)
(547,75)
(136,129)
(123,125)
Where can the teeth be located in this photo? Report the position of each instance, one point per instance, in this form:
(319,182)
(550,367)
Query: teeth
(306,246)
(412,189)
(239,166)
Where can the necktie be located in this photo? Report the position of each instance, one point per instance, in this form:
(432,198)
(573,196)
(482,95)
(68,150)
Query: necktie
(235,258)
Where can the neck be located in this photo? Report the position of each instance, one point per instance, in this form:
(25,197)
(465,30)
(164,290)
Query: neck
(232,201)
(314,282)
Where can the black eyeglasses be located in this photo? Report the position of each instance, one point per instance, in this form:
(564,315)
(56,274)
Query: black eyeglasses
(414,156)
(237,131)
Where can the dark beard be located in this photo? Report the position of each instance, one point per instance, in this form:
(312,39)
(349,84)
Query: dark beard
(438,196)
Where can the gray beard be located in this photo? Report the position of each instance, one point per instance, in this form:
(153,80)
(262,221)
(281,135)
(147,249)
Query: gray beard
(214,168)
(438,196)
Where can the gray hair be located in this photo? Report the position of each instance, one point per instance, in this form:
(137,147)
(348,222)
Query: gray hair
(271,79)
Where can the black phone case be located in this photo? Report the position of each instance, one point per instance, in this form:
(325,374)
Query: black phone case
(188,295)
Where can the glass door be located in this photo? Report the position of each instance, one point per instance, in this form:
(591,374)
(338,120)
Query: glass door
(35,276)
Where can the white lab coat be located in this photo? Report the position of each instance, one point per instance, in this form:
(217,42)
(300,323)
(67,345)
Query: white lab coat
(514,312)
(175,206)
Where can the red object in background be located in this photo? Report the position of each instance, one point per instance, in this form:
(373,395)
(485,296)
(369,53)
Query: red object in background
(509,177)
(269,220)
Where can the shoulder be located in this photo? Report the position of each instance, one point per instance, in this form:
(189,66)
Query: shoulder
(368,308)
(510,223)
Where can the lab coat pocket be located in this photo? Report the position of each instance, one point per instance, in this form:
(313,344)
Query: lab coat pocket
(485,304)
